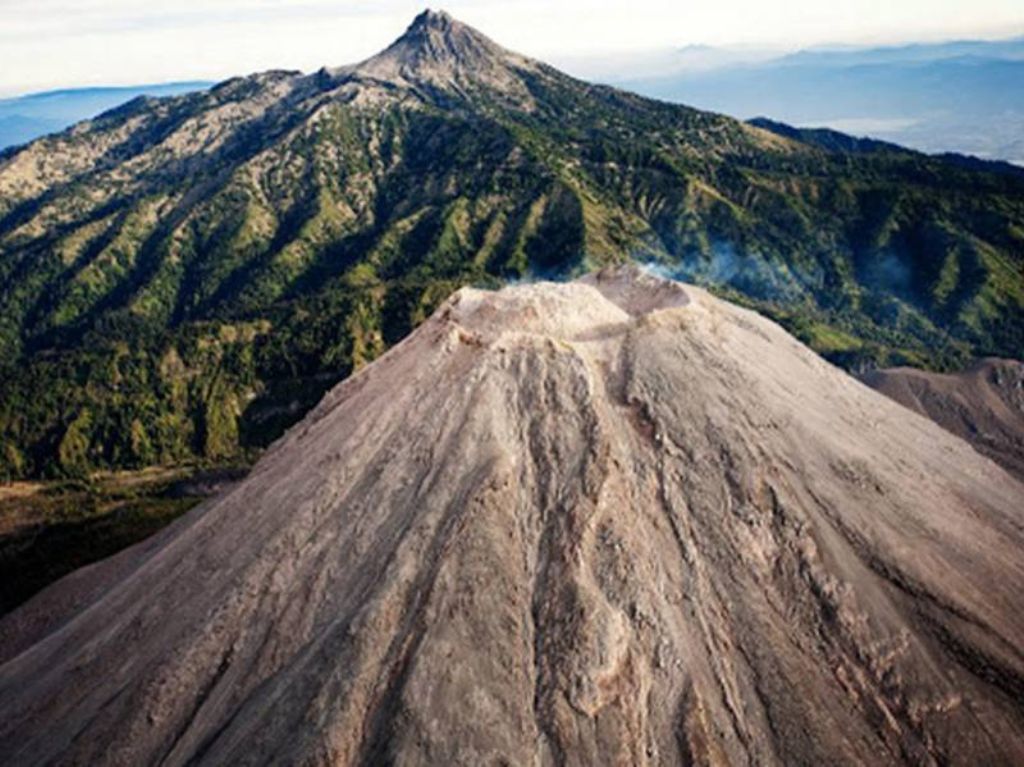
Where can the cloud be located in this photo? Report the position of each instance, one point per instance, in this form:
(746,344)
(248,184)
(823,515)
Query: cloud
(49,43)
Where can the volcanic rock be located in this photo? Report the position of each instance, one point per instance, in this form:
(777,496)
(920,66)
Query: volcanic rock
(983,404)
(614,521)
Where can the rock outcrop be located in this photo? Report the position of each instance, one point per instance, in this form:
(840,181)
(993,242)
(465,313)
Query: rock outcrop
(615,521)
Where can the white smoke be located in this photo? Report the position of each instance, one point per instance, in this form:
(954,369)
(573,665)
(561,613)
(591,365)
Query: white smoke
(752,273)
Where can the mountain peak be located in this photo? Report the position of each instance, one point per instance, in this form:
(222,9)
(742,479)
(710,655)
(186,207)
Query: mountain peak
(434,37)
(442,52)
(431,19)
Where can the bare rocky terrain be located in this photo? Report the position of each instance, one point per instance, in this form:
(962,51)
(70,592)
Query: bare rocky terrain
(984,404)
(613,521)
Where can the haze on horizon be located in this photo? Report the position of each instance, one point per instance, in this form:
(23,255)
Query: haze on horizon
(47,44)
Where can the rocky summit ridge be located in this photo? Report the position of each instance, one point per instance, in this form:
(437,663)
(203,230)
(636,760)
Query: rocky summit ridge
(611,521)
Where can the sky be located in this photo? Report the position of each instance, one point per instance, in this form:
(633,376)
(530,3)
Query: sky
(47,44)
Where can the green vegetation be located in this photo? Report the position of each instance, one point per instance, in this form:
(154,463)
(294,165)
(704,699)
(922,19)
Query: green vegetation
(173,298)
(50,529)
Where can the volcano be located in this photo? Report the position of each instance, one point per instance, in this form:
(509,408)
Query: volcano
(182,279)
(615,521)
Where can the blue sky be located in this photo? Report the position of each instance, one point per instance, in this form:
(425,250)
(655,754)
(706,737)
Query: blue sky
(57,43)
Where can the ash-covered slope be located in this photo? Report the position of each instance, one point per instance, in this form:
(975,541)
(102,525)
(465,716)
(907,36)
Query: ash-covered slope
(984,404)
(611,521)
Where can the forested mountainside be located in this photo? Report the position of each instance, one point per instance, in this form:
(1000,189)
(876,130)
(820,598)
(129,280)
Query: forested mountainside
(184,277)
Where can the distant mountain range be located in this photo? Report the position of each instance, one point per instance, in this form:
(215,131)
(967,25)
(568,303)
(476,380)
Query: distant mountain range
(184,277)
(28,117)
(965,97)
